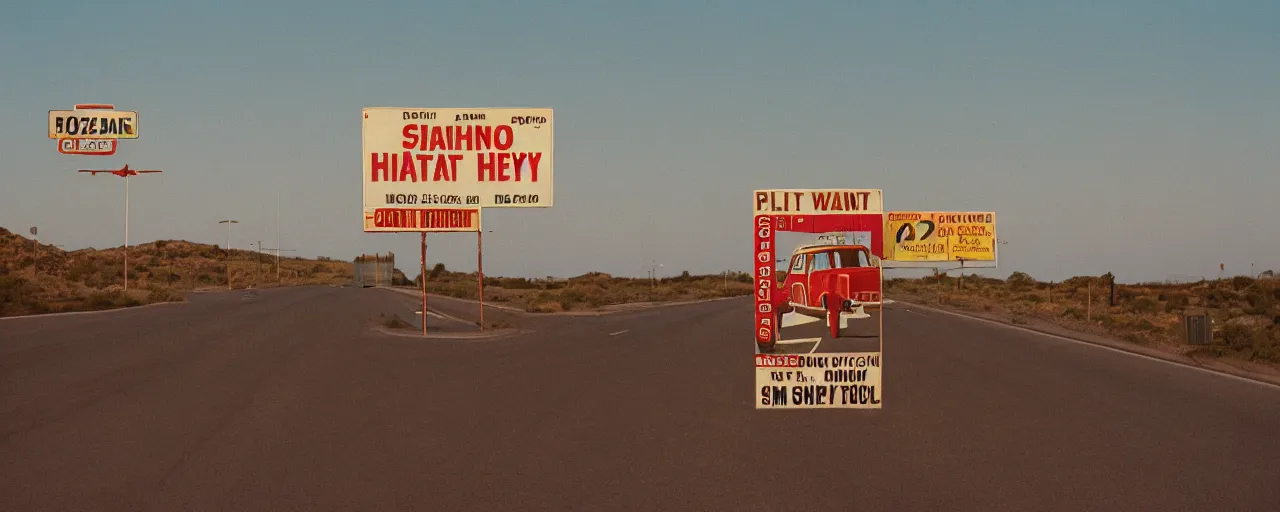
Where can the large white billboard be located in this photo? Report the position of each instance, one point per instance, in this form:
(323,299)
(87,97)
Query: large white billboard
(457,158)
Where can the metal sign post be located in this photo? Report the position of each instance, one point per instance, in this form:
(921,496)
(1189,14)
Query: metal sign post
(228,222)
(423,278)
(480,267)
(35,244)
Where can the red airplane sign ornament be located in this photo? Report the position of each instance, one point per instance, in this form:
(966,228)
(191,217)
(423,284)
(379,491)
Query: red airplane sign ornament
(123,172)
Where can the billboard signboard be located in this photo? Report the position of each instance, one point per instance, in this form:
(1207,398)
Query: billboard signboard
(457,158)
(817,309)
(92,123)
(940,236)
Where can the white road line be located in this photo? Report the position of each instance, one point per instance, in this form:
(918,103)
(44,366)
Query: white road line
(619,332)
(1113,349)
(915,312)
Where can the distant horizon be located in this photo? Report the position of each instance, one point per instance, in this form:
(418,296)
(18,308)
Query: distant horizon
(889,274)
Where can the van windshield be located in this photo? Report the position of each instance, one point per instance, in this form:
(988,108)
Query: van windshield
(850,258)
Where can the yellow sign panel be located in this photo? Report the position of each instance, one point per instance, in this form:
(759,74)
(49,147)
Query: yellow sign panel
(940,236)
(93,124)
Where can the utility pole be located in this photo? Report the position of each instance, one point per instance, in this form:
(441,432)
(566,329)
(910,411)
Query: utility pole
(228,222)
(35,245)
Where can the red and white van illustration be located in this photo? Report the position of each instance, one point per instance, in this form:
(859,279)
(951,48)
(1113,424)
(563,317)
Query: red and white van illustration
(823,281)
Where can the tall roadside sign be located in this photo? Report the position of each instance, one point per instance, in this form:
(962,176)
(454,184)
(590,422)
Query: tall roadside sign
(432,170)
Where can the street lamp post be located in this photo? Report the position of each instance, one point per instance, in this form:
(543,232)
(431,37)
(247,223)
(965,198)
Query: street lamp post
(228,222)
(124,172)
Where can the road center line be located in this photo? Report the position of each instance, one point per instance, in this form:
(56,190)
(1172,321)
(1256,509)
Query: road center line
(619,332)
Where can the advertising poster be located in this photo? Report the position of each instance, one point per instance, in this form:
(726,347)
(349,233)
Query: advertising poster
(818,297)
(457,158)
(940,236)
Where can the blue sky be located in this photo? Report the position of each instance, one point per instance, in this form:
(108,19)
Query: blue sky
(1132,137)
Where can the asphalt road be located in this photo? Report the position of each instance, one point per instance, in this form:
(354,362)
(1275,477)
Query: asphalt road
(292,402)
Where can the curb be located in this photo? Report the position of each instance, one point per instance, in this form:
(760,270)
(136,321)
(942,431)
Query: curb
(416,293)
(476,336)
(96,312)
(1119,346)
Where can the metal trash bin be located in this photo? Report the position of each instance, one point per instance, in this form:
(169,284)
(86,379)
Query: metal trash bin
(1197,327)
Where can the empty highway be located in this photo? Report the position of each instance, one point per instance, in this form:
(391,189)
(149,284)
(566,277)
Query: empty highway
(293,401)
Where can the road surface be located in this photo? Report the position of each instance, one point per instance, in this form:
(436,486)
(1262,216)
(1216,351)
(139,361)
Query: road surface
(291,401)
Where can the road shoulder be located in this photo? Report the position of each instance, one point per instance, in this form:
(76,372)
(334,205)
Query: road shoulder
(1045,328)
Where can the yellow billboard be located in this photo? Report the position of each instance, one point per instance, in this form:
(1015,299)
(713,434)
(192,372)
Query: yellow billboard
(940,236)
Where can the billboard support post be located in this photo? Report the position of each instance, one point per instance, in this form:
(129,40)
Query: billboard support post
(423,278)
(480,268)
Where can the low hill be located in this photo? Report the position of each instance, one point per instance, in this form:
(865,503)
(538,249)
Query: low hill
(89,279)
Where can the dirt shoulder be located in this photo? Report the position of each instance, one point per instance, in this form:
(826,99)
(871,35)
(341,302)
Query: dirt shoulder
(1142,318)
(41,278)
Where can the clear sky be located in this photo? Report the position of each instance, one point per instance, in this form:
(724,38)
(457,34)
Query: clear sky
(1134,137)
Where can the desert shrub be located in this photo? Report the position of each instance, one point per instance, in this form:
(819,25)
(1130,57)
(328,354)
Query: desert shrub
(1146,325)
(544,306)
(1241,282)
(1238,336)
(159,294)
(573,294)
(1034,298)
(1073,313)
(1267,347)
(12,288)
(436,271)
(1018,279)
(1122,292)
(1145,305)
(100,300)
